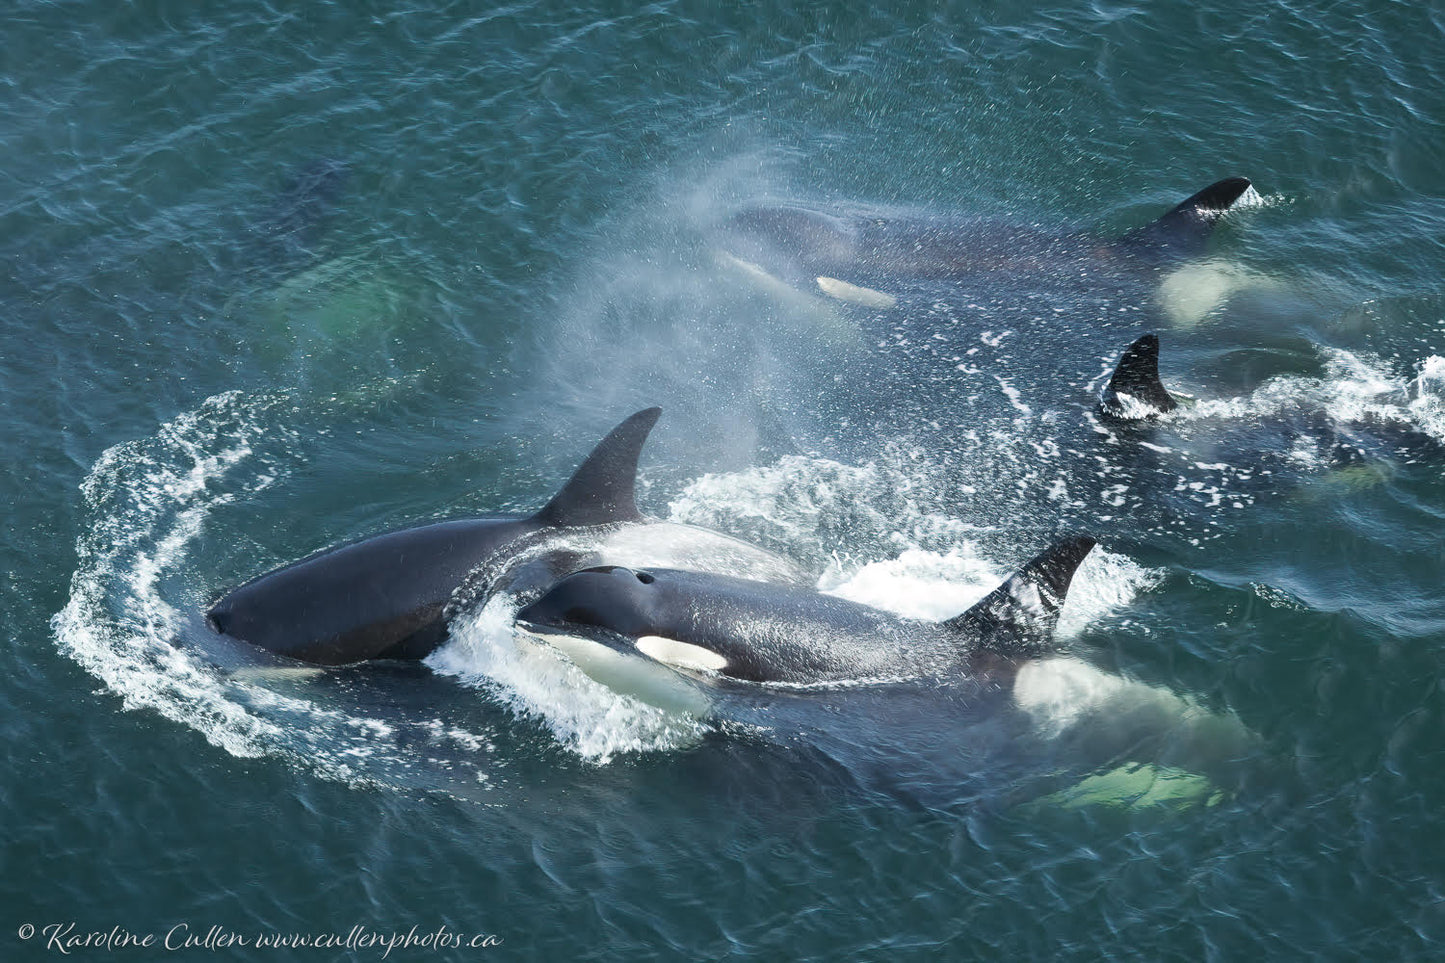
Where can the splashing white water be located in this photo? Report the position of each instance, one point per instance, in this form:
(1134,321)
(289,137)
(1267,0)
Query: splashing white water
(596,702)
(815,509)
(937,586)
(148,502)
(1355,390)
(917,584)
(932,568)
(130,615)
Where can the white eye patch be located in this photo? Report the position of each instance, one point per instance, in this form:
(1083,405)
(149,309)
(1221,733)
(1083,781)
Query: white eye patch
(684,655)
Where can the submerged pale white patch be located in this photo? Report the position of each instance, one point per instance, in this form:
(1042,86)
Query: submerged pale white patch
(684,655)
(1190,292)
(1106,717)
(756,272)
(1057,691)
(855,294)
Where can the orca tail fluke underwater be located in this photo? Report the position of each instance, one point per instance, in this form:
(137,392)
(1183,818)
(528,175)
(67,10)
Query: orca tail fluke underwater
(1135,391)
(1018,618)
(1184,230)
(603,490)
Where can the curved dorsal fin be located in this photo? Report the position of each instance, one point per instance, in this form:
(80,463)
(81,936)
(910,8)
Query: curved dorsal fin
(603,489)
(1183,231)
(1018,617)
(1135,391)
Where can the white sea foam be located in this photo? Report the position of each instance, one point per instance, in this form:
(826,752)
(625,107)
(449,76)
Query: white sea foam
(917,584)
(130,614)
(932,585)
(1355,390)
(596,702)
(815,509)
(147,502)
(924,564)
(1105,583)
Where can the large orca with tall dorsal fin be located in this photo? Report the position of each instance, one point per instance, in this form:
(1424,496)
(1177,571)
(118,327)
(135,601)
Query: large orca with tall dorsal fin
(386,597)
(758,631)
(862,258)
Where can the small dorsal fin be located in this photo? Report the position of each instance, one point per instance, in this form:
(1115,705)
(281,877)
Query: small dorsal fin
(1184,230)
(1135,391)
(1018,617)
(603,489)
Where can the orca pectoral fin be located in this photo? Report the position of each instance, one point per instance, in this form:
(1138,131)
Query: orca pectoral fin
(603,490)
(1135,391)
(1018,617)
(1184,230)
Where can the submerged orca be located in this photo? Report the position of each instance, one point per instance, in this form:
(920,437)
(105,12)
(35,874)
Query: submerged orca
(384,597)
(1300,434)
(766,632)
(285,235)
(849,257)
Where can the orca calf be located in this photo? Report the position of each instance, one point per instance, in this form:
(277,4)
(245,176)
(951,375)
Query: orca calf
(857,258)
(758,631)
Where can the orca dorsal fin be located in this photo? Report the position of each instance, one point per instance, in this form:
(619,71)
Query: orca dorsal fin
(1184,230)
(604,488)
(1135,391)
(1018,617)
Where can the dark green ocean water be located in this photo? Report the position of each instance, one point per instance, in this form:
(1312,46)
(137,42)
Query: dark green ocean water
(278,277)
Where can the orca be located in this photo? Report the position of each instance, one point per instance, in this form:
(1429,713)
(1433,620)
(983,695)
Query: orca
(858,258)
(1134,391)
(387,596)
(757,631)
(1300,435)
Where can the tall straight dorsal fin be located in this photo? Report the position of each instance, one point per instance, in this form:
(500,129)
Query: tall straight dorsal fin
(1135,391)
(1018,617)
(1184,230)
(604,488)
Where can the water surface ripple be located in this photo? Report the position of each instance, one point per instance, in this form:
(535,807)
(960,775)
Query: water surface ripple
(277,278)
